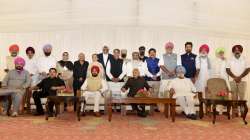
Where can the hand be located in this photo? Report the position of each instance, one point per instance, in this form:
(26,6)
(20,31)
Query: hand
(53,88)
(123,90)
(81,79)
(114,79)
(150,90)
(154,77)
(237,79)
(193,80)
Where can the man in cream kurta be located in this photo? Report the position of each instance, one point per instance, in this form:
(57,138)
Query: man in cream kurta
(46,62)
(94,86)
(183,90)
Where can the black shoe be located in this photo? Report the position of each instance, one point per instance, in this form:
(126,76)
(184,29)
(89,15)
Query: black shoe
(38,114)
(142,114)
(50,115)
(193,117)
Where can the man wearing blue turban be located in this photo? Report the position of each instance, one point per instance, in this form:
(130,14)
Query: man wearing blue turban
(183,90)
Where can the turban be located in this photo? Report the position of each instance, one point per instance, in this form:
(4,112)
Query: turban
(96,68)
(30,49)
(237,47)
(180,69)
(169,45)
(219,50)
(14,48)
(47,46)
(204,47)
(19,61)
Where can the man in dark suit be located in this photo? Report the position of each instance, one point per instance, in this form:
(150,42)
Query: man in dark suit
(104,57)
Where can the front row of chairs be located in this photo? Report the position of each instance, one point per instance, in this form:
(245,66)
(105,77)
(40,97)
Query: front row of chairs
(214,86)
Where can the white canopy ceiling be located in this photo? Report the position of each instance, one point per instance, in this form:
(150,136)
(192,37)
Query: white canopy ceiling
(43,15)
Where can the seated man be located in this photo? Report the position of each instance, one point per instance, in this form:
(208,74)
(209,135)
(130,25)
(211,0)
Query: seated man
(15,83)
(48,87)
(134,84)
(94,86)
(183,90)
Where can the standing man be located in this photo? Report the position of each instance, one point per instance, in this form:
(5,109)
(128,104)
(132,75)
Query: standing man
(219,66)
(168,63)
(203,69)
(14,50)
(188,61)
(46,62)
(79,73)
(154,71)
(31,65)
(104,57)
(136,63)
(237,69)
(116,69)
(142,56)
(65,71)
(15,83)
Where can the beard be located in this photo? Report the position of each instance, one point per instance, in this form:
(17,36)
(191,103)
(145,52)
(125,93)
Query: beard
(124,55)
(142,53)
(47,53)
(94,75)
(237,55)
(19,68)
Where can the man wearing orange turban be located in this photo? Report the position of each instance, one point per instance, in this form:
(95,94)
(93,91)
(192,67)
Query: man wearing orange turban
(13,50)
(203,67)
(94,87)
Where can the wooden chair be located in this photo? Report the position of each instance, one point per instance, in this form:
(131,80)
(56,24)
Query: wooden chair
(9,99)
(214,86)
(103,102)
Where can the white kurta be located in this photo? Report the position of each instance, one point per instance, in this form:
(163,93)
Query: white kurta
(219,70)
(184,95)
(32,68)
(142,66)
(204,74)
(45,63)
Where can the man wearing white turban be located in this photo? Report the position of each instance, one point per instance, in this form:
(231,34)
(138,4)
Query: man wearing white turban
(46,62)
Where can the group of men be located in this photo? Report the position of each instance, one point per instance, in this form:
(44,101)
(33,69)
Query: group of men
(182,75)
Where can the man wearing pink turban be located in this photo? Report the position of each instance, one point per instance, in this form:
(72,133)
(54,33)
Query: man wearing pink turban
(13,50)
(15,83)
(237,68)
(203,67)
(168,63)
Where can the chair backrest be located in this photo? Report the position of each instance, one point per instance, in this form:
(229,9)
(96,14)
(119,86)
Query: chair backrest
(214,86)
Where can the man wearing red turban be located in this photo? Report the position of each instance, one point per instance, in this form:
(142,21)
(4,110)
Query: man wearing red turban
(15,83)
(237,68)
(203,67)
(13,50)
(94,87)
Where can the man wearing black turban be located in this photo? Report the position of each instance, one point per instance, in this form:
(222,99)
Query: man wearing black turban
(237,68)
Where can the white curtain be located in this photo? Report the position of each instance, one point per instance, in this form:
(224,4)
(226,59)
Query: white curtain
(86,25)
